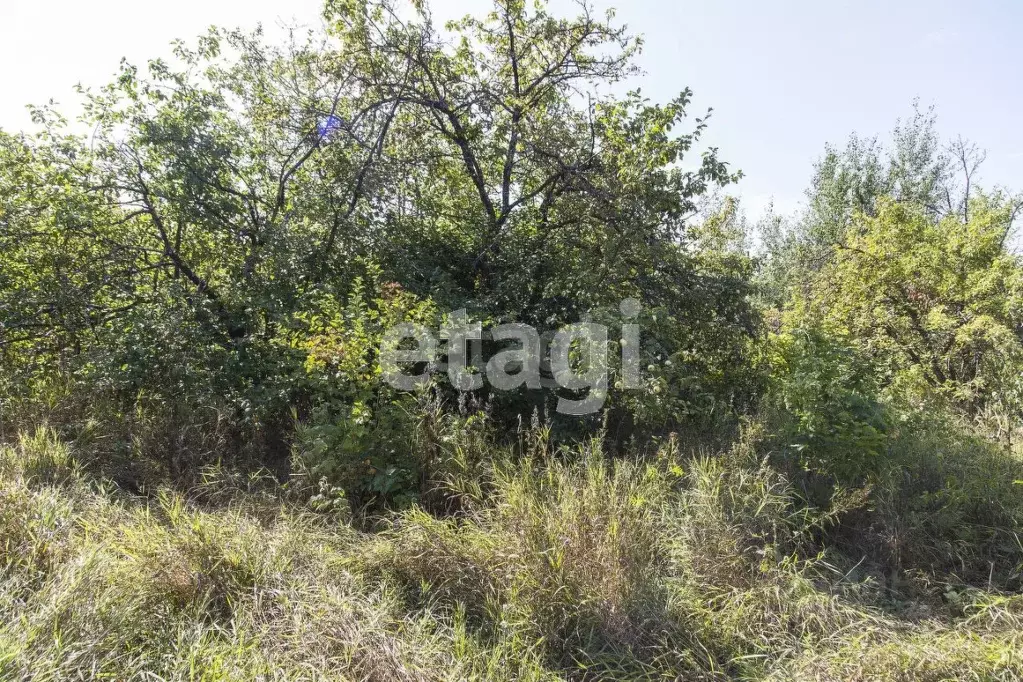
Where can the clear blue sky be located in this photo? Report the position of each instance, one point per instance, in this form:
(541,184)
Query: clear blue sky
(784,77)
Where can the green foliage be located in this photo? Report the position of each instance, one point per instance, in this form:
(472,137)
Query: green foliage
(913,169)
(825,406)
(934,303)
(358,433)
(198,246)
(193,303)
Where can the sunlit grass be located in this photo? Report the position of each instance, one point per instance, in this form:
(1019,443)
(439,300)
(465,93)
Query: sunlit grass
(570,567)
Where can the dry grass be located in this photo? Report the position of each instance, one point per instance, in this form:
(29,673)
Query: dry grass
(569,567)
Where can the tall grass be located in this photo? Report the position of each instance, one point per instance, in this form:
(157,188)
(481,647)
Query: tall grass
(553,565)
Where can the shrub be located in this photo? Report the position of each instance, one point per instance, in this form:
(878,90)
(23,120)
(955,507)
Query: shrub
(824,408)
(357,435)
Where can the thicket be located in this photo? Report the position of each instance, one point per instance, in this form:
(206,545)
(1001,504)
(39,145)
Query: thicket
(205,475)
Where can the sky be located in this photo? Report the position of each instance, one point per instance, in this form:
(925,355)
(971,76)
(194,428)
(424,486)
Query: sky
(784,78)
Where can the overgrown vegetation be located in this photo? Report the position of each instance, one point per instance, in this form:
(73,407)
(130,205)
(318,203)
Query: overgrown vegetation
(204,475)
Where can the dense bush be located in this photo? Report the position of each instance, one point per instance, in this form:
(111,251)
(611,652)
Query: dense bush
(825,407)
(358,432)
(205,476)
(241,210)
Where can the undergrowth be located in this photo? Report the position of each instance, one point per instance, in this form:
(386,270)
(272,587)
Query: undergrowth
(549,564)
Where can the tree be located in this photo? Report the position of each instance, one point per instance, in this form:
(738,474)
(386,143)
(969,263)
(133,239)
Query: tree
(938,304)
(527,194)
(913,169)
(224,196)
